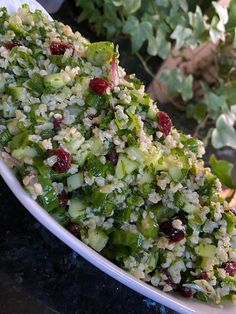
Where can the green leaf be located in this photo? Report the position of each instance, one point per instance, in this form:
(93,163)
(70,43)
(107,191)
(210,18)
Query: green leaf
(216,104)
(180,35)
(186,89)
(224,133)
(159,45)
(196,20)
(131,6)
(139,32)
(223,170)
(176,82)
(196,111)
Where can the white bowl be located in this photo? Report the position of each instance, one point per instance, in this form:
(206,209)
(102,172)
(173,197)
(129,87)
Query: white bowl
(179,304)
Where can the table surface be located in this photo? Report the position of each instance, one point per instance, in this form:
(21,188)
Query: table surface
(41,275)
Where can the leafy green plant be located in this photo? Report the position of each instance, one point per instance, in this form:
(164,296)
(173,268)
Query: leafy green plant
(167,29)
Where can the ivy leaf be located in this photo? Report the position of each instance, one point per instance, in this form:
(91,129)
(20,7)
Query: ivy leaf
(139,32)
(224,133)
(222,12)
(180,35)
(176,82)
(186,89)
(217,27)
(196,111)
(130,6)
(196,20)
(216,104)
(223,170)
(158,45)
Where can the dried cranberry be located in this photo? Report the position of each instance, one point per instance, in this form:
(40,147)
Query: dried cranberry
(164,122)
(203,275)
(98,85)
(63,199)
(11,44)
(174,235)
(57,122)
(74,228)
(59,48)
(91,116)
(112,156)
(230,268)
(186,292)
(63,160)
(169,281)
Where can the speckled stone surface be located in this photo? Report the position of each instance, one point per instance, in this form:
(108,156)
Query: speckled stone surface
(38,273)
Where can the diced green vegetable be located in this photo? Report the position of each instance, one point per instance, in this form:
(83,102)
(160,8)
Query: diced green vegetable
(5,137)
(75,181)
(97,239)
(205,250)
(49,199)
(100,52)
(148,227)
(55,81)
(127,238)
(15,92)
(35,84)
(24,152)
(125,166)
(76,208)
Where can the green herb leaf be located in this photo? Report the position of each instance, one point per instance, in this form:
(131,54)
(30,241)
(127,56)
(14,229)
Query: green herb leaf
(223,170)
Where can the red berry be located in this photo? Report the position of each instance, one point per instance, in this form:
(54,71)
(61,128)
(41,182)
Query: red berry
(59,48)
(63,199)
(169,281)
(203,275)
(63,160)
(164,123)
(57,122)
(98,85)
(174,235)
(186,292)
(112,156)
(230,268)
(74,228)
(11,44)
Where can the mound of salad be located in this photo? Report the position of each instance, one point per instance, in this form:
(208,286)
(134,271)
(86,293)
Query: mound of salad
(93,149)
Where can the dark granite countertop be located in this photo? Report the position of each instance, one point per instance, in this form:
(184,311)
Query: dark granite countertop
(41,275)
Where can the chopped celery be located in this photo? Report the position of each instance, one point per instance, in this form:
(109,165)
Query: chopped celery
(148,227)
(97,239)
(100,52)
(16,92)
(125,166)
(134,201)
(98,198)
(24,152)
(49,199)
(152,260)
(161,212)
(16,26)
(205,250)
(127,238)
(75,181)
(55,81)
(5,137)
(19,140)
(76,208)
(35,84)
(231,221)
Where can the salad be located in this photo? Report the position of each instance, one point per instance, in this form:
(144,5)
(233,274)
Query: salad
(93,149)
